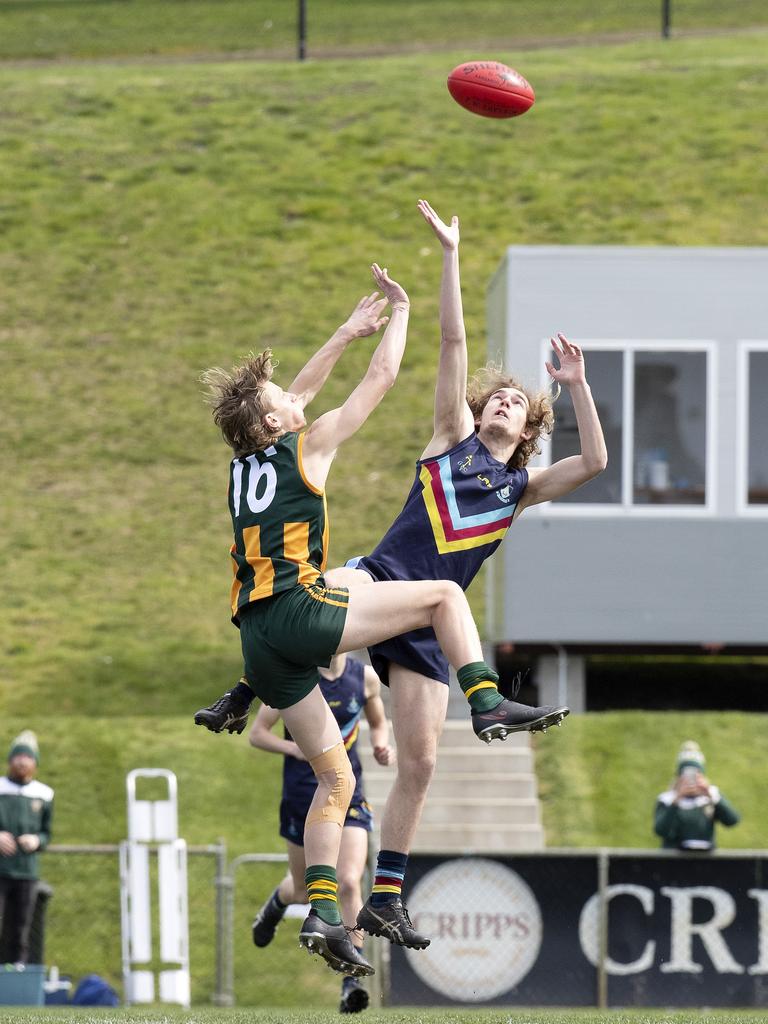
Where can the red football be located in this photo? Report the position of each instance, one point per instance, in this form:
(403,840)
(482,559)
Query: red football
(490,89)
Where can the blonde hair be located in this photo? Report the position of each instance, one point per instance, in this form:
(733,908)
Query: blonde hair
(541,417)
(237,398)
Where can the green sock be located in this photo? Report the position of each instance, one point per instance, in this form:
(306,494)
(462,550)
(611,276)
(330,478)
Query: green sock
(478,683)
(321,889)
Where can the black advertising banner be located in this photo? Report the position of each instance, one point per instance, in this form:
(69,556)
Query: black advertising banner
(685,930)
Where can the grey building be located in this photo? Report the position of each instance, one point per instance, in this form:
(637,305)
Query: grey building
(668,549)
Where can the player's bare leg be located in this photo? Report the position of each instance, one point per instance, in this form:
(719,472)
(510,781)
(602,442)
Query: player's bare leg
(376,613)
(417,709)
(315,730)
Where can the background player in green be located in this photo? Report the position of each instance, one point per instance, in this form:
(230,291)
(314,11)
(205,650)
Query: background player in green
(289,621)
(351,689)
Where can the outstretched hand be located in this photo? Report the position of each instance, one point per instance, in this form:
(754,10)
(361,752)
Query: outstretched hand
(571,360)
(447,234)
(366,317)
(395,293)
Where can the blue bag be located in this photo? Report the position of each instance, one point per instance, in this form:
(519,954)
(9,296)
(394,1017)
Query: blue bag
(94,991)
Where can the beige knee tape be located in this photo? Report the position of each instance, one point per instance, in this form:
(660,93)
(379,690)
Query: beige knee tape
(335,808)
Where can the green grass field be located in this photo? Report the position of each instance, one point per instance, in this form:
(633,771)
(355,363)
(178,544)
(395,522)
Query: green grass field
(165,218)
(511,1015)
(106,28)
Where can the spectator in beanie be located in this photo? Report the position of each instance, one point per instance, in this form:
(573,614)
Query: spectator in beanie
(26,807)
(686,813)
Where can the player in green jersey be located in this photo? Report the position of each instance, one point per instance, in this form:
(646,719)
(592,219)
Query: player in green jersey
(290,622)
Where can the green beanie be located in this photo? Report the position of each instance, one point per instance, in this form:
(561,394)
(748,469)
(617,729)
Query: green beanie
(25,743)
(690,756)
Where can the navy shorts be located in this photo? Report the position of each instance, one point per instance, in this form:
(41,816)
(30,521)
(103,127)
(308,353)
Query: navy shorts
(294,810)
(417,650)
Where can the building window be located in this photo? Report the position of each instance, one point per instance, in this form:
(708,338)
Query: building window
(605,372)
(654,410)
(757,429)
(670,428)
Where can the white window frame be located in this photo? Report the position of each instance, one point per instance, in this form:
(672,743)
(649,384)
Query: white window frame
(743,508)
(626,507)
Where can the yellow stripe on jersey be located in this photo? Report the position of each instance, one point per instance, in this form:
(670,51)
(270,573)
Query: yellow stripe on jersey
(296,549)
(445,546)
(300,465)
(326,534)
(263,569)
(349,742)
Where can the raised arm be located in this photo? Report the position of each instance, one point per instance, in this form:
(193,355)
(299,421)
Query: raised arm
(364,319)
(330,430)
(453,420)
(262,737)
(566,475)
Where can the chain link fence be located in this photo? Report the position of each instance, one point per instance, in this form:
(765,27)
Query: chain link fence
(279,974)
(82,919)
(280,29)
(626,927)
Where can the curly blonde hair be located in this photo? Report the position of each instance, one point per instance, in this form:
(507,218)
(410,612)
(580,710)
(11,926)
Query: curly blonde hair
(237,397)
(541,417)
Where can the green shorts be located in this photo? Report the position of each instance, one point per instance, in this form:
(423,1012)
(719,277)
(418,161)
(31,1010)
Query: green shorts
(285,637)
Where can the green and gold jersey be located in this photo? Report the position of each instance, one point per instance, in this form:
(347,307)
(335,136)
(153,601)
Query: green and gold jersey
(280,523)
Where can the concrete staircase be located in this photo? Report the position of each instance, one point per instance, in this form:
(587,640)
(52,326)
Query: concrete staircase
(483,798)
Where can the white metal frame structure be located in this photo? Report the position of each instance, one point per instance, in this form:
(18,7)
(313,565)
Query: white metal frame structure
(153,825)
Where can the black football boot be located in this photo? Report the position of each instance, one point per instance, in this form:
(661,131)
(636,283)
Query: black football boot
(333,944)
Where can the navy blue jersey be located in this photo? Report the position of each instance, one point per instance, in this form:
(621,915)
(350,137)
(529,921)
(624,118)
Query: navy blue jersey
(345,697)
(456,514)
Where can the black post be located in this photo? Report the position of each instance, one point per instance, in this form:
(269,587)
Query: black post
(302,29)
(666,18)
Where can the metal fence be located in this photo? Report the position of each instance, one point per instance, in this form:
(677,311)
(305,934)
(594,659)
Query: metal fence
(330,28)
(82,921)
(625,927)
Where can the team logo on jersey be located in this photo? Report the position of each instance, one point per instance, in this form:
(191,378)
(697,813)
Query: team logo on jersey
(503,494)
(37,806)
(484,481)
(466,464)
(353,707)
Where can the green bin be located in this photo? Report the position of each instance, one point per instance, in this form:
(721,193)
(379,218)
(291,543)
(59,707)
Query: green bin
(22,987)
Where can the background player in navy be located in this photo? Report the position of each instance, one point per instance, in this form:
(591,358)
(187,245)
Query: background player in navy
(472,482)
(351,690)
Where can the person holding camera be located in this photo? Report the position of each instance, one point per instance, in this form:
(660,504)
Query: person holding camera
(686,813)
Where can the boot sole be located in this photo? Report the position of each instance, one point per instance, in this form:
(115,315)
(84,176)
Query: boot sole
(315,942)
(236,726)
(382,933)
(500,731)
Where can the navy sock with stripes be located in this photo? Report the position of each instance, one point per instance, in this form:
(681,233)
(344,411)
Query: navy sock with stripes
(388,880)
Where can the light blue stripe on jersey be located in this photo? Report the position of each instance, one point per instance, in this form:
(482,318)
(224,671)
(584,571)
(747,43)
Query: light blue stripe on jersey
(457,520)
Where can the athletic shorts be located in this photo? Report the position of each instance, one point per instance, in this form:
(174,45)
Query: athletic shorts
(294,810)
(285,637)
(417,650)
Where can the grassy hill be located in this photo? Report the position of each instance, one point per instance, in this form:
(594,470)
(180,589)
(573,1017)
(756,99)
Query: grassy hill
(166,218)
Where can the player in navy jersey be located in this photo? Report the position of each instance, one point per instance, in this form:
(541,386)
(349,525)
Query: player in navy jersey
(290,622)
(472,483)
(351,690)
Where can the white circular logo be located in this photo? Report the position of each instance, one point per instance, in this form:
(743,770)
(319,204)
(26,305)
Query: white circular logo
(485,926)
